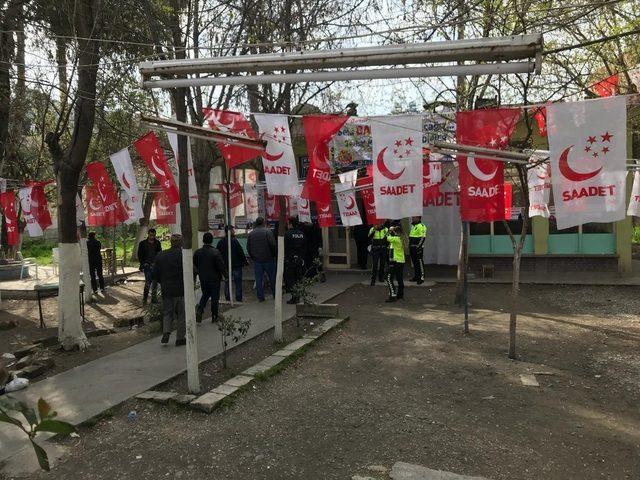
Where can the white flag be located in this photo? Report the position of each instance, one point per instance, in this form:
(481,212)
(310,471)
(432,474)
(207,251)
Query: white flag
(349,211)
(216,202)
(350,177)
(539,184)
(304,211)
(251,202)
(132,216)
(33,227)
(193,190)
(123,168)
(81,215)
(634,75)
(588,150)
(397,166)
(278,160)
(634,201)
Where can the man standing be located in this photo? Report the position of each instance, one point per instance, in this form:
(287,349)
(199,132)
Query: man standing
(261,246)
(396,264)
(417,236)
(294,250)
(238,261)
(167,271)
(379,251)
(361,236)
(94,248)
(209,266)
(147,251)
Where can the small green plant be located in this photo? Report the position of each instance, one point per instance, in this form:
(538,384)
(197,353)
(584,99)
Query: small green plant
(232,329)
(153,310)
(635,237)
(302,288)
(43,421)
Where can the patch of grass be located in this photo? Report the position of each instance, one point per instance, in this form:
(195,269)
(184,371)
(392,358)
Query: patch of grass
(635,236)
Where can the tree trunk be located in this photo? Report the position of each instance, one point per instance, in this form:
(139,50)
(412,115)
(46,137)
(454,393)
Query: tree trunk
(144,224)
(515,292)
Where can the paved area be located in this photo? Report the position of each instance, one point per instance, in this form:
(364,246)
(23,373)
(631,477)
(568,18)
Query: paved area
(90,389)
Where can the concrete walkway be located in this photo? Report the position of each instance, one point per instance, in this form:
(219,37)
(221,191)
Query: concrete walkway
(90,389)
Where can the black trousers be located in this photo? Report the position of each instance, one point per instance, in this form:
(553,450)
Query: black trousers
(293,271)
(417,255)
(95,271)
(363,254)
(379,257)
(396,272)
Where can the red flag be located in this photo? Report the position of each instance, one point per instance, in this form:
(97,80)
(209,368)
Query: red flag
(273,206)
(8,203)
(540,116)
(325,215)
(481,180)
(431,181)
(508,195)
(607,87)
(165,209)
(95,209)
(235,194)
(151,152)
(226,121)
(39,204)
(318,132)
(114,212)
(368,200)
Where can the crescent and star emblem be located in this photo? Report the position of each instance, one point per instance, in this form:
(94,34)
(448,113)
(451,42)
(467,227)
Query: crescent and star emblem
(382,167)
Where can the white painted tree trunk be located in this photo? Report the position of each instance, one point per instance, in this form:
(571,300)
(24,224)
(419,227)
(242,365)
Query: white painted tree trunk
(70,333)
(193,376)
(200,235)
(277,333)
(86,275)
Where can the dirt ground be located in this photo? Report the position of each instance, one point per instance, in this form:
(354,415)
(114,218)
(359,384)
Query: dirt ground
(400,382)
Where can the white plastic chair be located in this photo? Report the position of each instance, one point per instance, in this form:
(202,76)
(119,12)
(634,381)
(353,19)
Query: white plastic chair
(25,263)
(56,260)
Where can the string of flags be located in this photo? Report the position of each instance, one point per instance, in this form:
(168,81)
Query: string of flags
(402,178)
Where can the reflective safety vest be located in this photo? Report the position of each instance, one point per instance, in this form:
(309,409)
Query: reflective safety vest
(377,236)
(418,230)
(396,250)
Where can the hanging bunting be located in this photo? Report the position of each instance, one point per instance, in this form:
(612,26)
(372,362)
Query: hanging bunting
(347,205)
(607,87)
(278,159)
(634,201)
(431,178)
(35,212)
(39,204)
(304,210)
(325,215)
(123,169)
(251,207)
(95,209)
(588,151)
(397,172)
(481,180)
(235,194)
(272,206)
(127,204)
(193,190)
(113,209)
(165,210)
(318,132)
(508,196)
(351,147)
(540,116)
(8,203)
(231,122)
(539,186)
(368,200)
(149,149)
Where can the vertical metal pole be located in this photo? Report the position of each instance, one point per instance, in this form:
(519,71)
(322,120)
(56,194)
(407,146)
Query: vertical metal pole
(465,243)
(230,270)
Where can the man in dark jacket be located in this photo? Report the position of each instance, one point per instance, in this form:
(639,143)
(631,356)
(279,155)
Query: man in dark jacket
(261,246)
(209,266)
(361,237)
(294,251)
(94,248)
(167,271)
(238,261)
(147,251)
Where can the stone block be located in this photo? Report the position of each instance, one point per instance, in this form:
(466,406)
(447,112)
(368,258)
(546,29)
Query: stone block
(225,389)
(31,371)
(183,399)
(264,365)
(529,380)
(24,351)
(155,396)
(318,310)
(207,402)
(298,344)
(407,471)
(239,381)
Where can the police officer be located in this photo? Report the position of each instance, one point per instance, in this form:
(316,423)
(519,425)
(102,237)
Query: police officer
(379,246)
(396,264)
(294,251)
(417,236)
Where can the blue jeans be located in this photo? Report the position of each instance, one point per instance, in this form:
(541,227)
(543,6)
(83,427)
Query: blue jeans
(210,290)
(259,269)
(236,274)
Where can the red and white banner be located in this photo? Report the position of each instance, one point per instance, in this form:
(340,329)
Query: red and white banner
(226,121)
(113,209)
(607,87)
(368,200)
(441,215)
(95,210)
(540,116)
(539,184)
(278,159)
(431,178)
(193,190)
(35,210)
(272,206)
(304,210)
(482,180)
(165,210)
(234,195)
(127,204)
(397,172)
(29,214)
(318,132)
(251,206)
(349,211)
(81,215)
(148,146)
(8,203)
(325,215)
(588,151)
(634,201)
(123,169)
